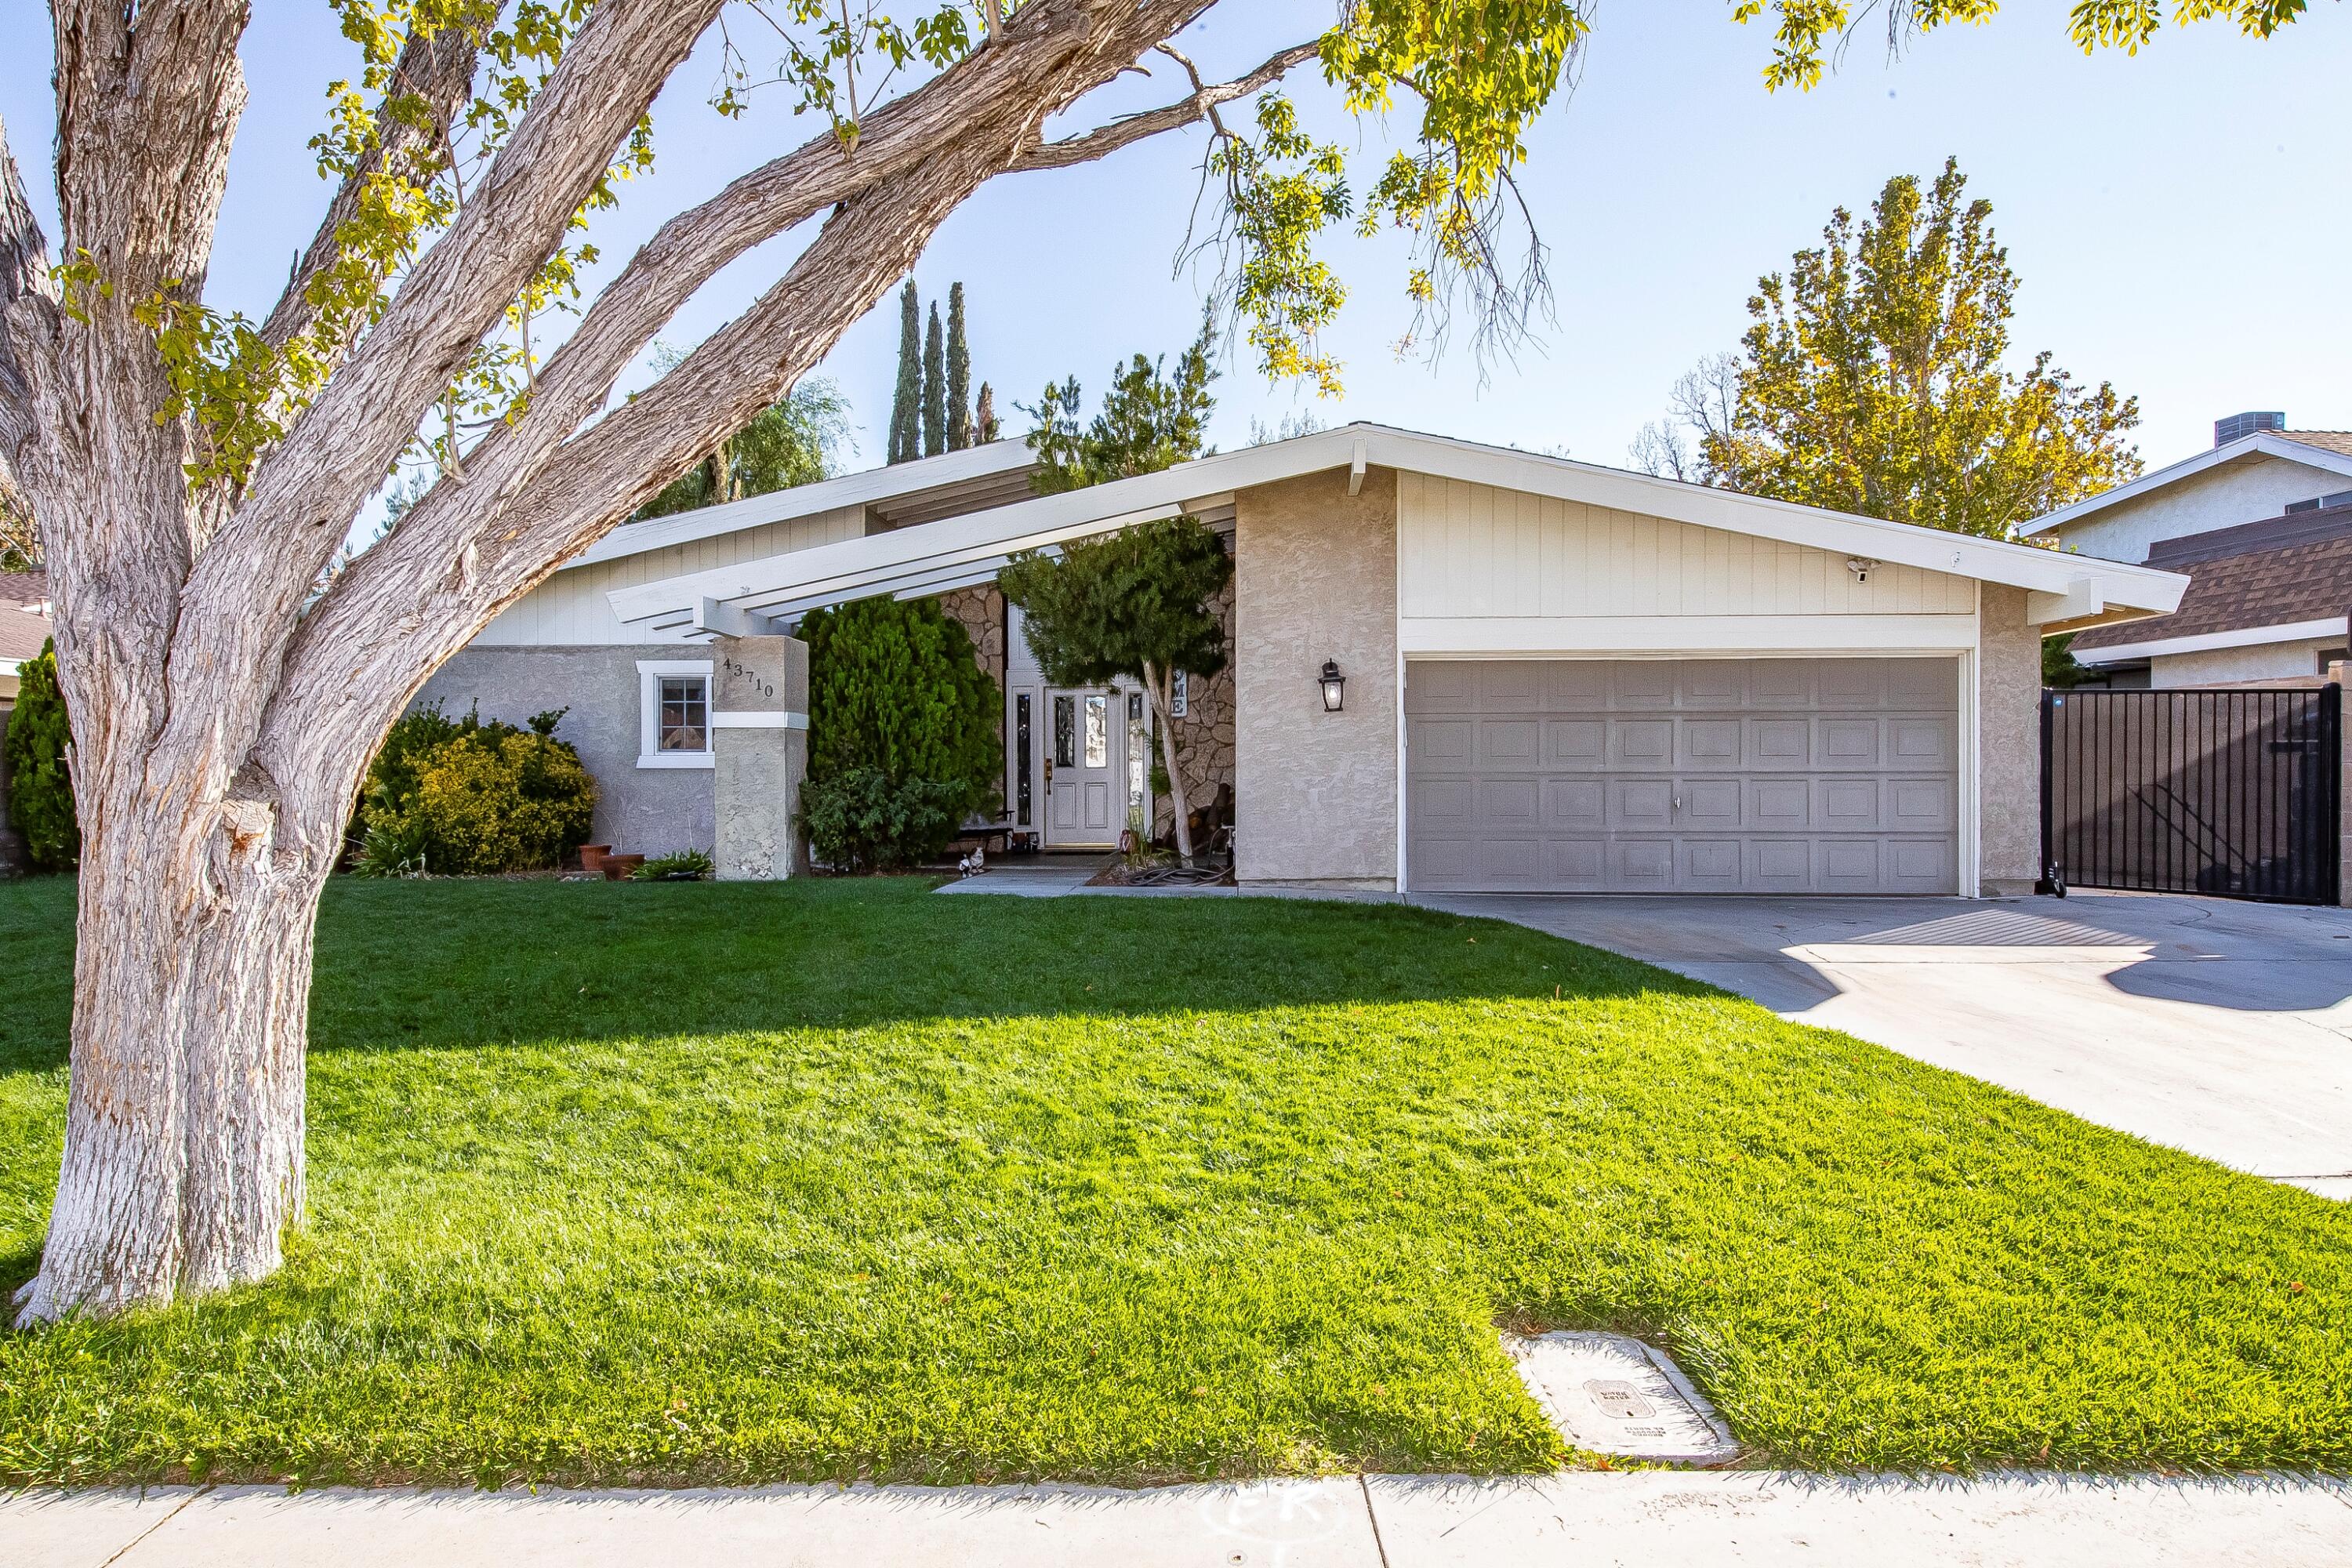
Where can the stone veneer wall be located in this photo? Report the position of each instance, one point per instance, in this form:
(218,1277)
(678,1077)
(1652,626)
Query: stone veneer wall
(1204,736)
(2009,745)
(1315,579)
(981,610)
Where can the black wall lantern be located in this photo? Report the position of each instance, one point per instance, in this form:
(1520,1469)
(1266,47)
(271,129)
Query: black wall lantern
(1335,687)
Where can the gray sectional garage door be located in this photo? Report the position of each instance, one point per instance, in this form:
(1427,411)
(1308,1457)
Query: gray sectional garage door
(1758,775)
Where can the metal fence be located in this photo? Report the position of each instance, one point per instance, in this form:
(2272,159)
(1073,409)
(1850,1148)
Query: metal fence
(2228,793)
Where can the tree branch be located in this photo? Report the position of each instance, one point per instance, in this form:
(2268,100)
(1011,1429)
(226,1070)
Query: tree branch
(439,70)
(1201,105)
(26,294)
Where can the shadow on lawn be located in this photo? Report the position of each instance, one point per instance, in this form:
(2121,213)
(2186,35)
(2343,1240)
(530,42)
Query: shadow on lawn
(454,964)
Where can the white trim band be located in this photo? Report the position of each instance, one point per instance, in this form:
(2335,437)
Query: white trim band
(767,719)
(2240,636)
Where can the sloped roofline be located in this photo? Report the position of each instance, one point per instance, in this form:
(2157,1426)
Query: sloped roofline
(891,482)
(932,556)
(2262,443)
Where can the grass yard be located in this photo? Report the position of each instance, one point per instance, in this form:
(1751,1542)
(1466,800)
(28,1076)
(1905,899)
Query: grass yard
(689,1183)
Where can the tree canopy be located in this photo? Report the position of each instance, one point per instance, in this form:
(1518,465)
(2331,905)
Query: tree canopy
(1876,380)
(793,441)
(1151,419)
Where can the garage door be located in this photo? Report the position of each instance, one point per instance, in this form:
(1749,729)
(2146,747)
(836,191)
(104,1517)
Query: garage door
(1764,775)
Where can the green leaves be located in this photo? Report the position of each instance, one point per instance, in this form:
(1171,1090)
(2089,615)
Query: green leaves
(1106,608)
(1150,421)
(1805,28)
(38,740)
(1876,380)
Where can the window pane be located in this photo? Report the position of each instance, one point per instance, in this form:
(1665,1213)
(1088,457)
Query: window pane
(1097,732)
(685,713)
(1065,732)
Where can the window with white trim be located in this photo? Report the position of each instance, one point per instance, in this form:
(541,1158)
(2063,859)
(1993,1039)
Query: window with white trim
(674,713)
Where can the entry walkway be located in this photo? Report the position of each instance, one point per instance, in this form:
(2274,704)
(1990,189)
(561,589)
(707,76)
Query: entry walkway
(1376,1522)
(2216,1027)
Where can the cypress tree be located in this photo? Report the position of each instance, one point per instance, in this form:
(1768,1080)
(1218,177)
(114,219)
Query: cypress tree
(983,416)
(40,785)
(958,373)
(906,408)
(935,390)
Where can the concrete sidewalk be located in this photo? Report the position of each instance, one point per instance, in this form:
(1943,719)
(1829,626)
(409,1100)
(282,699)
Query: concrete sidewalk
(1377,1522)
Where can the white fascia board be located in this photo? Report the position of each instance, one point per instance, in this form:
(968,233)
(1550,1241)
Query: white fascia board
(871,485)
(2262,443)
(870,564)
(2206,642)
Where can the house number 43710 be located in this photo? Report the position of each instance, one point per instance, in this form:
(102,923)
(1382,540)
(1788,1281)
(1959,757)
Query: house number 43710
(741,671)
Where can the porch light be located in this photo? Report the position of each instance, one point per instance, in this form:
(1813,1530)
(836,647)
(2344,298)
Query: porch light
(1335,687)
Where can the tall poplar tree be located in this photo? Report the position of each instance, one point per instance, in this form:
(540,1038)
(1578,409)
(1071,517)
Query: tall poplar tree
(983,416)
(906,407)
(935,390)
(1875,381)
(958,373)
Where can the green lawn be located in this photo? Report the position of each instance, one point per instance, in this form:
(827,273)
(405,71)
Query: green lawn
(670,1183)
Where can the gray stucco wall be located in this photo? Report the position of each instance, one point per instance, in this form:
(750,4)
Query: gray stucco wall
(2009,746)
(638,810)
(2266,663)
(2246,491)
(1314,793)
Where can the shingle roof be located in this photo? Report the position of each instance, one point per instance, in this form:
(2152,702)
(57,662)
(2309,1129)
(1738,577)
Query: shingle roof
(22,632)
(24,587)
(2306,574)
(2325,440)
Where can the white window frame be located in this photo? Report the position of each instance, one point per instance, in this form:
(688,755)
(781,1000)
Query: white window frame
(650,678)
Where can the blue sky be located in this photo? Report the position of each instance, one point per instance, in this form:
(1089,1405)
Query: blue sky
(2178,218)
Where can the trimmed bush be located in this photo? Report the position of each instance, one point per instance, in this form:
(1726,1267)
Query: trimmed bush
(864,820)
(894,687)
(40,783)
(461,797)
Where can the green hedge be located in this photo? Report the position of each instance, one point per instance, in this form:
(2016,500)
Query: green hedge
(903,733)
(460,797)
(40,783)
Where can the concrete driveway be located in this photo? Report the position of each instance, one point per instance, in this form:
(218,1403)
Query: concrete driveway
(2220,1027)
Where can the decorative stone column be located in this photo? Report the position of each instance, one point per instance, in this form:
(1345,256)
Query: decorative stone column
(758,744)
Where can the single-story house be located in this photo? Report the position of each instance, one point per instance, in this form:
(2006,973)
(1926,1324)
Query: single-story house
(1557,677)
(23,625)
(2263,521)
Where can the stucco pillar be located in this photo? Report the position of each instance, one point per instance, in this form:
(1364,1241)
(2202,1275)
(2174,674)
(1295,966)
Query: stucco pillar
(1314,793)
(2009,745)
(758,745)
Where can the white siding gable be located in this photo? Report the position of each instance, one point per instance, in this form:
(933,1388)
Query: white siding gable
(1484,567)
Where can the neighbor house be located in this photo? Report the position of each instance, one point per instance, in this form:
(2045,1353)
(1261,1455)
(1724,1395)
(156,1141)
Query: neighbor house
(2262,524)
(1542,675)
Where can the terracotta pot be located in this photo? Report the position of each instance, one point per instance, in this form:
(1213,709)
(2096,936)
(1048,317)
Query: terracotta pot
(617,868)
(591,856)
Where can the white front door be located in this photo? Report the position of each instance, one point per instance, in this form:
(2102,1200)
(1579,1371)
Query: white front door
(1085,785)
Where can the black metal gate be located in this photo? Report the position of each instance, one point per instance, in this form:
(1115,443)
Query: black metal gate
(2228,793)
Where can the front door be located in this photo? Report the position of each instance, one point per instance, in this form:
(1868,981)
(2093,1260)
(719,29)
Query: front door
(1085,796)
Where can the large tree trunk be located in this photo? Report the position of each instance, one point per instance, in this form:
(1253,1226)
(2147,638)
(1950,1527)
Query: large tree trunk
(184,1153)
